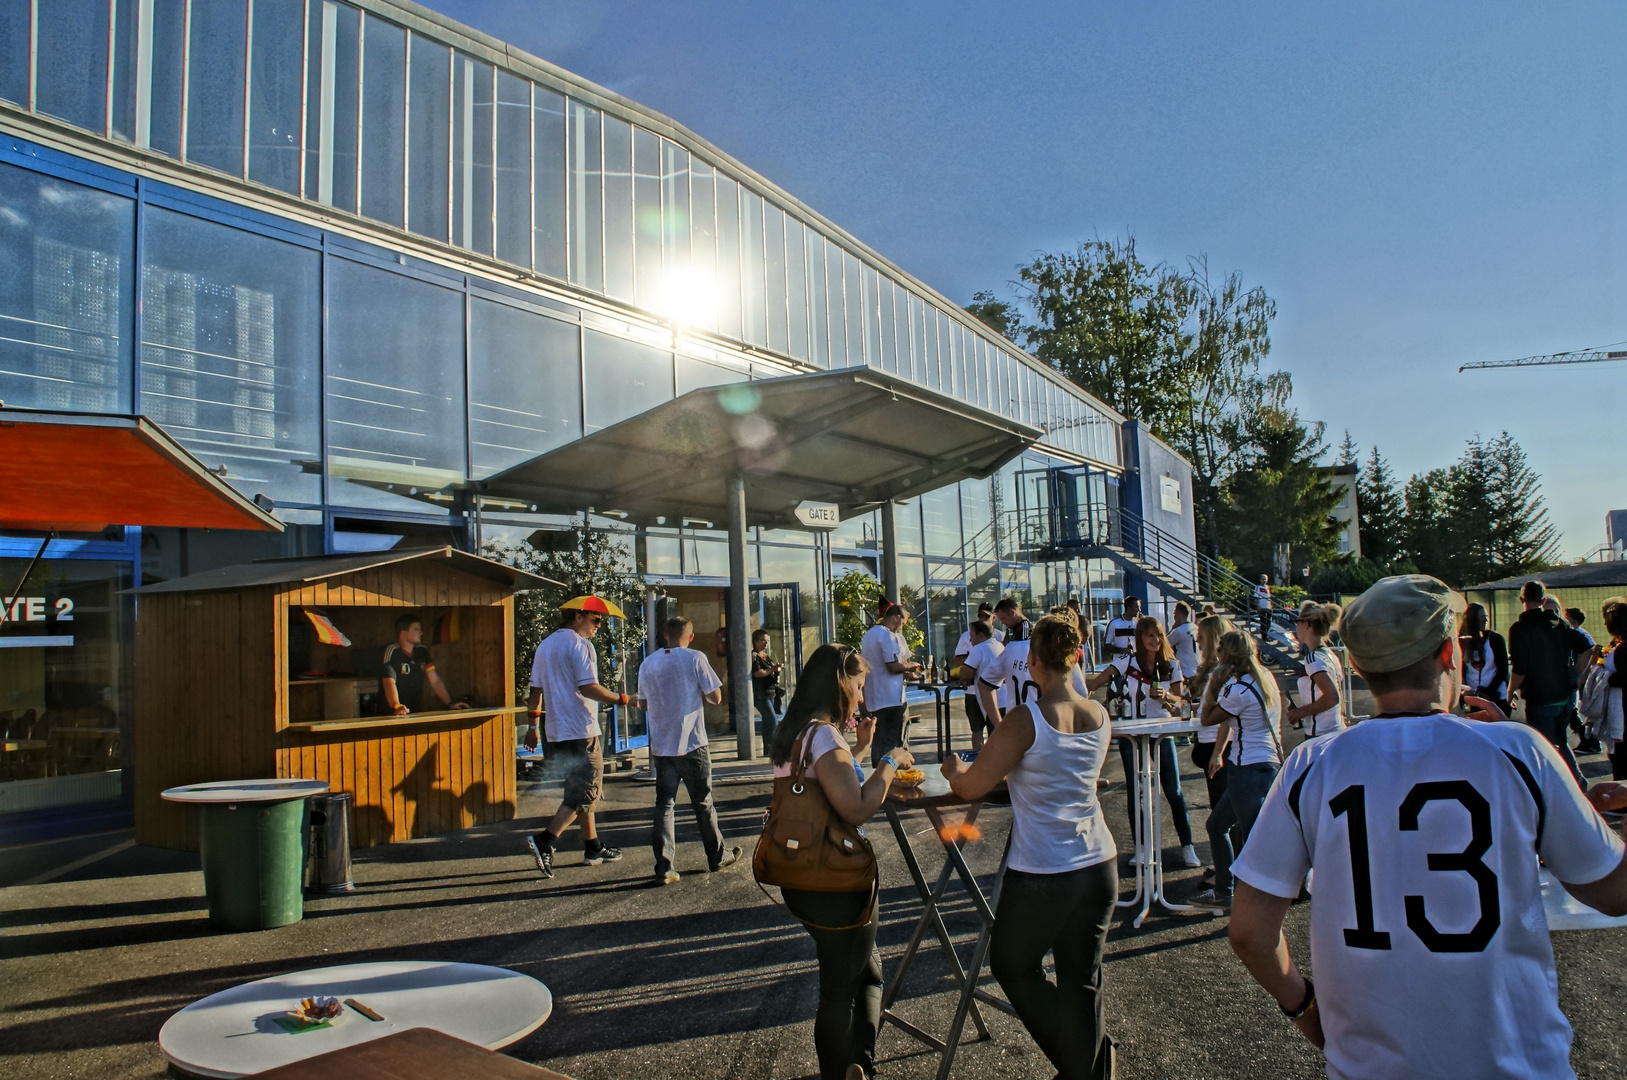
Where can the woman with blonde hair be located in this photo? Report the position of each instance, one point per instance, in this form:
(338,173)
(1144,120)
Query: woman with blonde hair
(1241,700)
(1061,881)
(829,691)
(1151,684)
(1319,686)
(1210,630)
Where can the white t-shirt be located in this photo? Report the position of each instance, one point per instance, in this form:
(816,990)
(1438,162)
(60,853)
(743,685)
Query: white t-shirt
(676,682)
(1137,685)
(1448,969)
(1262,597)
(1328,720)
(984,656)
(882,688)
(1256,737)
(1009,671)
(1184,640)
(963,647)
(824,740)
(1480,673)
(1121,634)
(565,662)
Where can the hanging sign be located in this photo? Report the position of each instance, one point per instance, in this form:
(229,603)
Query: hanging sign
(818,515)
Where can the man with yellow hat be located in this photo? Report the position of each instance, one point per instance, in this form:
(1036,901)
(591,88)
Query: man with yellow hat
(1428,934)
(565,677)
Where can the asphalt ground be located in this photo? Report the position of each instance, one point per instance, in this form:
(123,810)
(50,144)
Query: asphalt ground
(101,940)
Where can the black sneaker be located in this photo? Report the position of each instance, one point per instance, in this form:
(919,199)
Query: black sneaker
(1591,746)
(603,855)
(730,857)
(544,856)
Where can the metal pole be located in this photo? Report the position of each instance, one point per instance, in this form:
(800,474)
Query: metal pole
(889,552)
(738,623)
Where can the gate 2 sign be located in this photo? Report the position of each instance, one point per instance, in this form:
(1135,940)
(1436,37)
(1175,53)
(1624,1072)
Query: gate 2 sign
(818,515)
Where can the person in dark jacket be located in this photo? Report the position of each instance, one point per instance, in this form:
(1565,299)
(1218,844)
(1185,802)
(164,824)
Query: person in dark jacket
(1615,624)
(1485,657)
(1542,648)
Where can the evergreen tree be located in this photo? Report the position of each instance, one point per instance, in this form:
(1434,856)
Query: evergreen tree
(1467,517)
(1380,510)
(1349,452)
(1281,496)
(1424,523)
(1521,538)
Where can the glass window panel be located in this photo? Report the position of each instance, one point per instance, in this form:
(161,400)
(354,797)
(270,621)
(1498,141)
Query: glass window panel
(618,208)
(884,326)
(705,558)
(728,257)
(682,293)
(946,621)
(214,103)
(703,244)
(752,267)
(276,79)
(872,319)
(126,30)
(834,291)
(231,333)
(548,162)
(472,93)
(940,518)
(661,555)
(694,374)
(854,291)
(70,78)
(647,219)
(976,519)
(525,385)
(774,260)
(859,531)
(818,301)
(624,379)
(15,16)
(384,120)
(953,383)
(909,526)
(331,104)
(796,287)
(586,205)
(428,139)
(65,308)
(513,158)
(152,54)
(395,404)
(912,589)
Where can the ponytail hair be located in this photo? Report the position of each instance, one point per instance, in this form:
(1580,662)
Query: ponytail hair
(1055,642)
(1237,657)
(1321,618)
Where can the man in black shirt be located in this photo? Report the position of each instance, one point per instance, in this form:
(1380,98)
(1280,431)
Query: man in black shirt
(407,666)
(1542,651)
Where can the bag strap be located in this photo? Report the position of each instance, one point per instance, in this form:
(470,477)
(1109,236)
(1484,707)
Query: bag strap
(1265,714)
(869,908)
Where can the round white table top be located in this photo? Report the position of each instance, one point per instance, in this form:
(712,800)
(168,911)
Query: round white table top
(235,1032)
(1162,725)
(240,791)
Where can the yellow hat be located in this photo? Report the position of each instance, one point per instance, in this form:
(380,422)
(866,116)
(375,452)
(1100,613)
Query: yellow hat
(592,603)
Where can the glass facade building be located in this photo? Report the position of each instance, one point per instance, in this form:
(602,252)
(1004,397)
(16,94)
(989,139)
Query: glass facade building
(358,256)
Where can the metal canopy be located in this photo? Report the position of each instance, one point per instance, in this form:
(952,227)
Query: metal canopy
(80,472)
(856,438)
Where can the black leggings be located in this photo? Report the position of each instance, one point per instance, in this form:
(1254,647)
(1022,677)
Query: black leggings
(1202,754)
(1066,915)
(849,979)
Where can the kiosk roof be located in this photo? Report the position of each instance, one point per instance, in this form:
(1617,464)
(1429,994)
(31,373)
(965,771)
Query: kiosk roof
(322,567)
(81,472)
(855,437)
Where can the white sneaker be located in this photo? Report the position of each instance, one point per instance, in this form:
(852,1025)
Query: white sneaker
(1189,856)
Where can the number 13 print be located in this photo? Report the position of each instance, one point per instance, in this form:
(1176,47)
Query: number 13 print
(1471,860)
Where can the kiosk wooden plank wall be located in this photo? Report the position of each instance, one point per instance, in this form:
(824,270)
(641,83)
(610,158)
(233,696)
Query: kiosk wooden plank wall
(217,699)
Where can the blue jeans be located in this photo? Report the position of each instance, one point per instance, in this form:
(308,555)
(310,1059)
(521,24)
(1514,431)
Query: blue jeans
(771,718)
(1235,813)
(1553,722)
(695,770)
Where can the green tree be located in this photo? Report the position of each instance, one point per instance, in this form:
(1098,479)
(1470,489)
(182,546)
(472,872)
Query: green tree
(1467,516)
(1381,512)
(854,598)
(1281,499)
(999,315)
(1349,452)
(587,560)
(1523,540)
(1425,523)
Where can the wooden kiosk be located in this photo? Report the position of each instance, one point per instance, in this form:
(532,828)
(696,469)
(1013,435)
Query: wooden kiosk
(234,681)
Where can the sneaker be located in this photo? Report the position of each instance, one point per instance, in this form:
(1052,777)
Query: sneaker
(544,856)
(1590,747)
(604,854)
(1189,857)
(668,878)
(1213,898)
(730,857)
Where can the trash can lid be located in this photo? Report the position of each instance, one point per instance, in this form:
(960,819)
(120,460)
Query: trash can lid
(236,791)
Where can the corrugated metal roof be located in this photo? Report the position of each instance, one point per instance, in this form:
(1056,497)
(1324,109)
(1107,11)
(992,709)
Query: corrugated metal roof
(321,568)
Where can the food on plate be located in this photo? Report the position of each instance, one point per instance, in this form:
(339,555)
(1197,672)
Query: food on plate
(315,1010)
(909,777)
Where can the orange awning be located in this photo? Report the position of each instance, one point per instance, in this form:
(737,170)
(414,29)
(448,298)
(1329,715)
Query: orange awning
(81,472)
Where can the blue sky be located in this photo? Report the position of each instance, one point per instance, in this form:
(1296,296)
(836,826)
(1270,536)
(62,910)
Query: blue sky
(1417,186)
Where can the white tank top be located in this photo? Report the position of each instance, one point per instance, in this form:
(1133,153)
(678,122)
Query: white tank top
(1057,822)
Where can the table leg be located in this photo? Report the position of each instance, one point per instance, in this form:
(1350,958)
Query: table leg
(970,994)
(1146,849)
(1158,892)
(1134,784)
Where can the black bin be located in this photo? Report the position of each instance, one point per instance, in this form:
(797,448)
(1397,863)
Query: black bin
(327,856)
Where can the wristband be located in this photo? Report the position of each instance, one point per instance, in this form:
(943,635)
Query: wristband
(887,759)
(624,699)
(1305,1006)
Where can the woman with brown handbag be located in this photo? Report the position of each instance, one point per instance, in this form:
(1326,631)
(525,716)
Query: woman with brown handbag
(813,846)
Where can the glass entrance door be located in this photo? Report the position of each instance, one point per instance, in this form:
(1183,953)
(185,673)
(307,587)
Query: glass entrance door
(778,609)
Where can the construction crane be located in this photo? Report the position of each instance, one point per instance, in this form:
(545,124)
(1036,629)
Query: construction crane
(1575,356)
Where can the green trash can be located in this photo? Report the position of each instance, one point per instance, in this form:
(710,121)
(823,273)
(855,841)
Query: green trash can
(252,836)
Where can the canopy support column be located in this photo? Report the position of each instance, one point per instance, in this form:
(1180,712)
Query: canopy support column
(889,551)
(738,622)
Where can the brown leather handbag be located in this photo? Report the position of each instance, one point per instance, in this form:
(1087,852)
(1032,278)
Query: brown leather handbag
(807,845)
